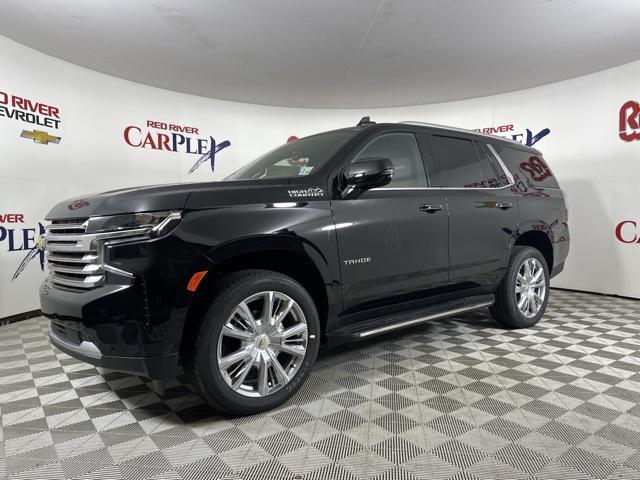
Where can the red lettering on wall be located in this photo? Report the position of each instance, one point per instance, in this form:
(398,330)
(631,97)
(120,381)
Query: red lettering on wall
(163,142)
(34,107)
(11,218)
(181,129)
(629,124)
(127,135)
(627,238)
(158,125)
(495,130)
(148,142)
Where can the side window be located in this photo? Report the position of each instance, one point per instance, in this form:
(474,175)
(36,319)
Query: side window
(496,176)
(402,149)
(458,162)
(528,169)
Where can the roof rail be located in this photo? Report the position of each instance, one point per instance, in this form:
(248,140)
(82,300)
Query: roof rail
(461,130)
(365,121)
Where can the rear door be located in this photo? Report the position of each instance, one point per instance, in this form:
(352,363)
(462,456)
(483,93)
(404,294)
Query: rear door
(392,240)
(483,213)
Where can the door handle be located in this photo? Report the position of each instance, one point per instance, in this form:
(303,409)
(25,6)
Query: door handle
(504,205)
(431,207)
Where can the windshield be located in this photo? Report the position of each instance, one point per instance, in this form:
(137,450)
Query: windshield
(295,159)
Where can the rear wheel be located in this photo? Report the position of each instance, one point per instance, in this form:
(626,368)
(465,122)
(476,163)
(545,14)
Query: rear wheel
(256,344)
(522,297)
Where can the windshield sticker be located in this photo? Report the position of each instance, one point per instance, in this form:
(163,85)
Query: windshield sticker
(305,170)
(307,192)
(298,162)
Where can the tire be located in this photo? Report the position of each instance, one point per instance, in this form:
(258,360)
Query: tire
(257,391)
(506,309)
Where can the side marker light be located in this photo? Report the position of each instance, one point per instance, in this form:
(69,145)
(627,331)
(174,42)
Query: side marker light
(197,277)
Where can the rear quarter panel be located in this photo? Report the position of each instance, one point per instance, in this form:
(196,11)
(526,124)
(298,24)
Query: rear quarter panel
(544,210)
(541,203)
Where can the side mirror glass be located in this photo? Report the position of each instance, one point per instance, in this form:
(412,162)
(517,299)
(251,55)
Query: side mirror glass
(369,173)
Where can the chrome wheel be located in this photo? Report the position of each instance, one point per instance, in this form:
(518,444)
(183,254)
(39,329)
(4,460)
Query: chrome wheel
(531,287)
(262,344)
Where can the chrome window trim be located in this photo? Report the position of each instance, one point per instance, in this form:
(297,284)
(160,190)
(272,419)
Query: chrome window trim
(504,168)
(459,130)
(502,165)
(443,188)
(459,188)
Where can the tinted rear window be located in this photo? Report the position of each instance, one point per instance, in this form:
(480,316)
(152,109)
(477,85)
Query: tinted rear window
(528,169)
(458,163)
(496,176)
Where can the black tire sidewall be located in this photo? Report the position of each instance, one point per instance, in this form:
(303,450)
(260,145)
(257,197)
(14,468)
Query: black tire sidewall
(216,317)
(514,317)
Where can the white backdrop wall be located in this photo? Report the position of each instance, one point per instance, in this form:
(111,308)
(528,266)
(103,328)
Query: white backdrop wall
(91,112)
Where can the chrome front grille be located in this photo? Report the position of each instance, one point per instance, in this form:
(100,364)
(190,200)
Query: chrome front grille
(73,256)
(74,251)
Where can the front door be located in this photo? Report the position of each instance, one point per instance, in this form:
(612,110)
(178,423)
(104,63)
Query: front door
(393,240)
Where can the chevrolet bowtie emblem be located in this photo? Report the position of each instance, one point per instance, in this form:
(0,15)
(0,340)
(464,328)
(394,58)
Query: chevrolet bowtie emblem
(40,137)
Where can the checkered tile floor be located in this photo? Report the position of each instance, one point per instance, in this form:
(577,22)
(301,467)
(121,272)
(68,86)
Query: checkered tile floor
(455,399)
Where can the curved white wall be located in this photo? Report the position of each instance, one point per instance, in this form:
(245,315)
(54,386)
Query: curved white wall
(598,170)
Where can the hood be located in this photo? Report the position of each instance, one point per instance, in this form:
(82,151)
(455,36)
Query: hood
(186,196)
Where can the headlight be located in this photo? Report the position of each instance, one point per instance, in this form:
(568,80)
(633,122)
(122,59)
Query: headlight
(153,224)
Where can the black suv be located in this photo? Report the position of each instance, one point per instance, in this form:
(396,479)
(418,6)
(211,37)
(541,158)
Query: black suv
(335,237)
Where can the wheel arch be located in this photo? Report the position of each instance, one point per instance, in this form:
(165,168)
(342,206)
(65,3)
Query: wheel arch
(540,241)
(289,256)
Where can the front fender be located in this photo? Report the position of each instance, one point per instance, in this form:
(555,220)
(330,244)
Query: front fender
(276,242)
(302,228)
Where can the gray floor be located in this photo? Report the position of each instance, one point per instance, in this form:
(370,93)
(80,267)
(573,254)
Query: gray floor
(458,398)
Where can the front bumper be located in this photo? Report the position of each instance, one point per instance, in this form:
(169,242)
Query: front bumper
(134,321)
(156,368)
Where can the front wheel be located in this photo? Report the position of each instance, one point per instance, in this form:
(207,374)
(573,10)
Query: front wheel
(521,298)
(256,344)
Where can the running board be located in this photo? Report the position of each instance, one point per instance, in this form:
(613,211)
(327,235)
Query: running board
(397,321)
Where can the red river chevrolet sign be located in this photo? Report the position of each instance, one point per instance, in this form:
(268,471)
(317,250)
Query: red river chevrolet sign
(29,111)
(33,112)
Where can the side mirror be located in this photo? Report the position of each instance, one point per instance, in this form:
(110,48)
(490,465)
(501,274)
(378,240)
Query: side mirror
(369,173)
